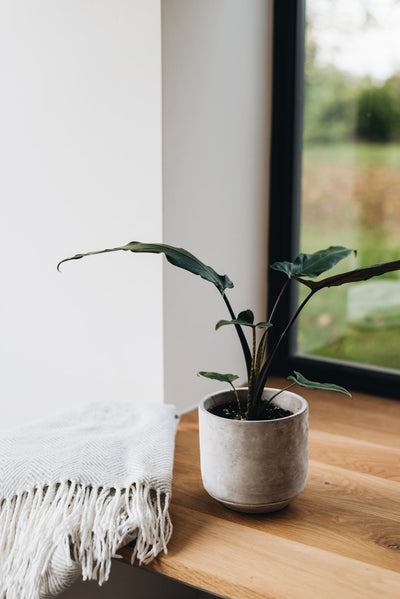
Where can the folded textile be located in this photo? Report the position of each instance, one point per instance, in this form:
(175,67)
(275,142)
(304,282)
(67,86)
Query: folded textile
(75,488)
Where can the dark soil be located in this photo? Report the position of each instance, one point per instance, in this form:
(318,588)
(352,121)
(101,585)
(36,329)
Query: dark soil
(230,410)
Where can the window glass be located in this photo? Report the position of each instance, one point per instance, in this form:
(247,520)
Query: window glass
(351,175)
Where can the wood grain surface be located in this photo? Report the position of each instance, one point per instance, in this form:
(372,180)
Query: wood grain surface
(339,539)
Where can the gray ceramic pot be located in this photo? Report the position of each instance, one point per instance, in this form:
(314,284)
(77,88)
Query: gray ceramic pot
(254,466)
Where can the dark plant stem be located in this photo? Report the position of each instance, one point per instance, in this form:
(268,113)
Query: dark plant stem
(252,381)
(261,351)
(265,369)
(282,291)
(242,338)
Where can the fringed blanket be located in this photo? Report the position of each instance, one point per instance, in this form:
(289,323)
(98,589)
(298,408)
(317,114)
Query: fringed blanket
(76,488)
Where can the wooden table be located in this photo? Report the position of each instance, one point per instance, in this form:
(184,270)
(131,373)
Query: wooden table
(339,539)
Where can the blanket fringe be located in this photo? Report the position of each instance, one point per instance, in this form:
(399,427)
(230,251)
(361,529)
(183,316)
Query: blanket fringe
(50,534)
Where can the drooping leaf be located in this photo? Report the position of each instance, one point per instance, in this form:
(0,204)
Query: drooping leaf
(245,319)
(303,382)
(312,265)
(216,376)
(177,256)
(352,276)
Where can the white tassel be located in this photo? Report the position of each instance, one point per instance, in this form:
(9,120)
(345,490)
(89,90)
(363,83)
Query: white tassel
(49,534)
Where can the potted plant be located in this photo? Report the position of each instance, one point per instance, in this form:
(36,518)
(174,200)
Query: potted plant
(254,440)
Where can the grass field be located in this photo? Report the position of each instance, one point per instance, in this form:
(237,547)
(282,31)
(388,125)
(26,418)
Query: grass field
(351,197)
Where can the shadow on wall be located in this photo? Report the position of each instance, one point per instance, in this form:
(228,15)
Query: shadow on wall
(127,581)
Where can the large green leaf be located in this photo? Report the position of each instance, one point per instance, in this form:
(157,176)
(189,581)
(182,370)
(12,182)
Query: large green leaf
(303,382)
(352,276)
(312,265)
(176,256)
(216,376)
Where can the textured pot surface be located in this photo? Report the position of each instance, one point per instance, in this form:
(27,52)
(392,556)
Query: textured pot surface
(254,466)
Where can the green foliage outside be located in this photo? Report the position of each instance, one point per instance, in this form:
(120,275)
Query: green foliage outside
(377,114)
(340,107)
(351,196)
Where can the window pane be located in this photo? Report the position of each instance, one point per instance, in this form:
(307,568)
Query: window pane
(351,174)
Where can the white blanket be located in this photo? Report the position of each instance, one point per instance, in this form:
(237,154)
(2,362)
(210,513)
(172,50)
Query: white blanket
(75,488)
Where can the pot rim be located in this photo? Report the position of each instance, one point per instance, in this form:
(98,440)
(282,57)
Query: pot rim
(304,407)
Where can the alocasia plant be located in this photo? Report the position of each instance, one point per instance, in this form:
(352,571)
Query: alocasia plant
(258,358)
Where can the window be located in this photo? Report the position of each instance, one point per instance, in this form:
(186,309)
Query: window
(333,121)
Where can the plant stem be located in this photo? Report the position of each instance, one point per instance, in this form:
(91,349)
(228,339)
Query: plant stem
(250,399)
(242,338)
(265,369)
(288,326)
(281,391)
(260,352)
(278,299)
(237,399)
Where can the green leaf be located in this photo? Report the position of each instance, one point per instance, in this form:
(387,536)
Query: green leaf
(247,316)
(245,319)
(303,382)
(312,265)
(216,376)
(222,323)
(353,276)
(177,256)
(263,325)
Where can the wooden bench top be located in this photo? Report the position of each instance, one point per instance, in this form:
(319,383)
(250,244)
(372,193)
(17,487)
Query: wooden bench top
(339,539)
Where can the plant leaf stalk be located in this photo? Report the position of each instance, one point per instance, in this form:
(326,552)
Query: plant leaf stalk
(263,342)
(281,391)
(242,338)
(238,401)
(278,299)
(252,380)
(260,352)
(262,379)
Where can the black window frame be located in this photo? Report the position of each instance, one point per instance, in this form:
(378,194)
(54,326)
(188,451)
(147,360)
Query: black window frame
(284,208)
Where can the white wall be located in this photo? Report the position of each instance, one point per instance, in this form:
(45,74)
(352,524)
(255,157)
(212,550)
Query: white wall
(82,91)
(80,151)
(216,106)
